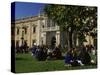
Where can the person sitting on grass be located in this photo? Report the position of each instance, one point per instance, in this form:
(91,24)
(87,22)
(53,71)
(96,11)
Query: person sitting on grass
(93,56)
(41,53)
(33,50)
(76,60)
(56,53)
(49,54)
(71,58)
(68,58)
(44,53)
(38,53)
(17,49)
(84,56)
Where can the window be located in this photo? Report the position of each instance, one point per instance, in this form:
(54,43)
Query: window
(17,43)
(34,29)
(42,26)
(17,31)
(22,33)
(25,42)
(25,30)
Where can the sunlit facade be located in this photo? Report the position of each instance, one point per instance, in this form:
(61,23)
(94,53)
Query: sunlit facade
(40,30)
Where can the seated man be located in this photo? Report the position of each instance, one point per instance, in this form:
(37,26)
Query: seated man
(57,53)
(84,56)
(33,50)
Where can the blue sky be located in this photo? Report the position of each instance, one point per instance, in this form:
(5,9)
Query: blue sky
(25,9)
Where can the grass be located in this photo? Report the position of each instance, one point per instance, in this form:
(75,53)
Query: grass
(26,63)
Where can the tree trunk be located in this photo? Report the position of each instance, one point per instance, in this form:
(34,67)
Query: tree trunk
(73,39)
(68,40)
(62,39)
(77,40)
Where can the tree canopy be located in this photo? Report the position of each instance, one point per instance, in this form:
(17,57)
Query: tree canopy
(72,16)
(82,19)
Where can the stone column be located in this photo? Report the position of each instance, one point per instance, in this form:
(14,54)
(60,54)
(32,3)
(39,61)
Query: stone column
(44,38)
(57,38)
(20,35)
(38,33)
(30,34)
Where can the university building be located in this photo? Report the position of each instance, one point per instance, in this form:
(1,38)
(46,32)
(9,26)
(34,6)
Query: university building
(39,30)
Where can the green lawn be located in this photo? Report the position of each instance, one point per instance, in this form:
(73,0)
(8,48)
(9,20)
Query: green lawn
(26,63)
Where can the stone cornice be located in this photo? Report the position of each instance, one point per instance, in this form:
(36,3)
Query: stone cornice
(29,19)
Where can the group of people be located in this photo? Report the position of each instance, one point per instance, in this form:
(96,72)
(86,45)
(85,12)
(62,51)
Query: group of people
(43,53)
(74,57)
(22,49)
(79,57)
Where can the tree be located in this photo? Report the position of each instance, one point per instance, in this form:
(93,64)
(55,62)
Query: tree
(75,20)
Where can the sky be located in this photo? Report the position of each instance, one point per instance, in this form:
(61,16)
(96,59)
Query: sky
(25,9)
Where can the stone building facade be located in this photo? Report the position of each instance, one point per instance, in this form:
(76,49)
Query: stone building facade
(36,29)
(39,30)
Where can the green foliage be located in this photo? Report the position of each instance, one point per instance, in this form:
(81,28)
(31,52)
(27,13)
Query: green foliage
(72,16)
(79,18)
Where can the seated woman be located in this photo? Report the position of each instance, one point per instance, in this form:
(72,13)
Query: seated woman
(69,58)
(76,60)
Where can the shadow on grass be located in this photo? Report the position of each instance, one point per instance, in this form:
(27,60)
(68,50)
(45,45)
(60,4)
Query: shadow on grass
(19,58)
